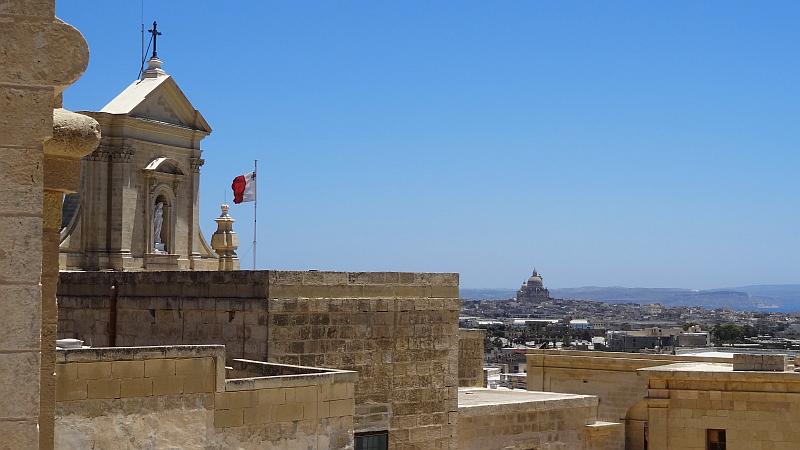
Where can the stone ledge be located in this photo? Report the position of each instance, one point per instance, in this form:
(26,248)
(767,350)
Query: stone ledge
(94,354)
(305,376)
(625,355)
(507,401)
(263,284)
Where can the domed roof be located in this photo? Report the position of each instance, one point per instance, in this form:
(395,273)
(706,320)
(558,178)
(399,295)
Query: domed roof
(535,279)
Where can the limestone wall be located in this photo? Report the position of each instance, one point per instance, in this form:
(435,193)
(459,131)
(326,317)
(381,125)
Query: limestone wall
(41,57)
(470,357)
(757,410)
(398,330)
(177,397)
(159,308)
(608,375)
(554,422)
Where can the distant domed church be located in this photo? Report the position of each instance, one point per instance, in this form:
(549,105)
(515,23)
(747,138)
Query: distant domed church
(533,290)
(138,207)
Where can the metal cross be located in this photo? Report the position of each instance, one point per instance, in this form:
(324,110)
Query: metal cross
(154,31)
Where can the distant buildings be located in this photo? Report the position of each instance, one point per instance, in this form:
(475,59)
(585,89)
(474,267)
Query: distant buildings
(533,290)
(656,338)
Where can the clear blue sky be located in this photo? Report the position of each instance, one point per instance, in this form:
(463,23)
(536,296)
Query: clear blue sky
(605,143)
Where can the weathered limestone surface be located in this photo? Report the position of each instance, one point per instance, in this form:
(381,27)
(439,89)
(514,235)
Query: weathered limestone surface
(159,308)
(492,419)
(754,362)
(41,56)
(74,135)
(398,330)
(178,397)
(757,410)
(610,376)
(470,357)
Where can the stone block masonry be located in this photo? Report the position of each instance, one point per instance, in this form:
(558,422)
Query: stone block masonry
(756,409)
(41,56)
(157,308)
(399,331)
(470,357)
(178,397)
(492,419)
(755,362)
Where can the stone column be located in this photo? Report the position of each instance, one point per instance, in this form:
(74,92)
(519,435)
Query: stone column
(74,135)
(41,56)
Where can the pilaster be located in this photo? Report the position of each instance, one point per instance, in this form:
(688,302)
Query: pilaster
(41,56)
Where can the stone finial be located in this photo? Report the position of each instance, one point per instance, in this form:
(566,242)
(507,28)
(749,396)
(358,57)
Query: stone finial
(154,69)
(225,242)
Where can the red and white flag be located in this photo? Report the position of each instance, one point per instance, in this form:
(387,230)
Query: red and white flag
(244,188)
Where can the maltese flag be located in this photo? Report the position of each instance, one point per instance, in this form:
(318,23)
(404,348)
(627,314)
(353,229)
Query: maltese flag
(244,188)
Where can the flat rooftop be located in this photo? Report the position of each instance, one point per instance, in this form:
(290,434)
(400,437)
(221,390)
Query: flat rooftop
(475,398)
(709,354)
(693,367)
(717,372)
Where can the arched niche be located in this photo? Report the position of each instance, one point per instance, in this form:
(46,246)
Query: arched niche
(162,176)
(164,165)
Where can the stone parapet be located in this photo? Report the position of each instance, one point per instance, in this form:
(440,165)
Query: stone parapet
(181,393)
(501,419)
(755,362)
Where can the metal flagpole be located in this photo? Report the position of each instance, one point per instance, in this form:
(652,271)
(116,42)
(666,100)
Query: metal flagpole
(255,210)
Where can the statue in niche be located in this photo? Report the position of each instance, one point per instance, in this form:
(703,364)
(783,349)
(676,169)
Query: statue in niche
(158,219)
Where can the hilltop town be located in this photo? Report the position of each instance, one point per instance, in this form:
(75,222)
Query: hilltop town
(534,313)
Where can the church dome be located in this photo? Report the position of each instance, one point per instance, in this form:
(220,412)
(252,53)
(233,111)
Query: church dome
(535,279)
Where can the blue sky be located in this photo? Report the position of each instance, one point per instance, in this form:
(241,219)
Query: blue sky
(605,143)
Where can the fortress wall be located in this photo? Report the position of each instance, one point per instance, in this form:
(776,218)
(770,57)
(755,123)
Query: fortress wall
(398,330)
(166,308)
(178,397)
(470,357)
